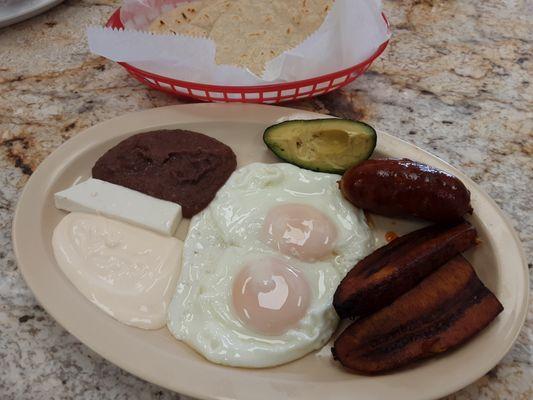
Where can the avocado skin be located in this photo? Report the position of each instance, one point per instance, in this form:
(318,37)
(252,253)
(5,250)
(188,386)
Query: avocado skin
(327,124)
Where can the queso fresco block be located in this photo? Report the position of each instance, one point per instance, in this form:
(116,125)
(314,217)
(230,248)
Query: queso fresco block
(99,197)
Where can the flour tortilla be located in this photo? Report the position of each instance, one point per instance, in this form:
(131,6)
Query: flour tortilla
(178,21)
(247,33)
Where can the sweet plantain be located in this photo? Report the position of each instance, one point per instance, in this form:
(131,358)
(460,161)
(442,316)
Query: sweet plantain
(443,311)
(392,270)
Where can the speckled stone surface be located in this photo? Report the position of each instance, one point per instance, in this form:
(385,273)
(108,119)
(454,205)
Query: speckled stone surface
(455,80)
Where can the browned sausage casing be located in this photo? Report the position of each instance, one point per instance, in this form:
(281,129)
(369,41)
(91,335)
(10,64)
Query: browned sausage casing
(444,310)
(398,188)
(390,271)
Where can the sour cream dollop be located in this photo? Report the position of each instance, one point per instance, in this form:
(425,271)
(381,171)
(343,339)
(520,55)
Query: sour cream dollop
(128,272)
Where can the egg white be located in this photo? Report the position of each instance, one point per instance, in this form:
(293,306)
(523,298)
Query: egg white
(240,207)
(226,236)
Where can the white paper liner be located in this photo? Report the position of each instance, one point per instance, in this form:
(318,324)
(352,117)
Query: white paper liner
(352,31)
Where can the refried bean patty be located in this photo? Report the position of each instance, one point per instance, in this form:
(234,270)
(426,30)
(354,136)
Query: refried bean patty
(180,166)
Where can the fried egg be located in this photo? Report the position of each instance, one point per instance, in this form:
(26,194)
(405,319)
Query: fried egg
(261,265)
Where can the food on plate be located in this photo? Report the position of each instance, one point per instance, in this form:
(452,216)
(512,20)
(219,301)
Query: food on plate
(394,269)
(114,201)
(247,33)
(261,264)
(399,188)
(323,145)
(128,272)
(180,166)
(443,311)
(275,253)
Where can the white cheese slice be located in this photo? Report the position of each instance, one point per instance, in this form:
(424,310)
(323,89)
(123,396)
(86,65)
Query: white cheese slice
(118,202)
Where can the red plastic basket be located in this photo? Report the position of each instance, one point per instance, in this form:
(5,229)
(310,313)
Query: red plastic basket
(273,93)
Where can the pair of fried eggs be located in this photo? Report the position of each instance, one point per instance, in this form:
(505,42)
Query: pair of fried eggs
(261,265)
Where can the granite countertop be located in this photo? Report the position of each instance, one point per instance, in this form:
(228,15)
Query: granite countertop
(455,81)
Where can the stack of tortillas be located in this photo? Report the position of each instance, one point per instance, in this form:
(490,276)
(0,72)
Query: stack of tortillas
(247,33)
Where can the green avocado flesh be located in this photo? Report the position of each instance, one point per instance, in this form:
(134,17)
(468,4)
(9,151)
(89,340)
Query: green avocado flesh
(323,145)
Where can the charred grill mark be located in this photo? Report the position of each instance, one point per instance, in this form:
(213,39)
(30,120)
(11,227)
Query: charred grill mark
(396,247)
(427,326)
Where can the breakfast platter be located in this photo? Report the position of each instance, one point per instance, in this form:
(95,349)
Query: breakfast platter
(169,299)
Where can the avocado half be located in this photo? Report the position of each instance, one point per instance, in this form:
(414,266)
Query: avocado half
(324,145)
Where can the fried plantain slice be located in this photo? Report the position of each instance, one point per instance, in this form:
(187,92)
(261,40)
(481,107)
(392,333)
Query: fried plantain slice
(392,270)
(443,311)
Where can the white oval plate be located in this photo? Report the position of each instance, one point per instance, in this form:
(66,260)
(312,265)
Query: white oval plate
(157,357)
(19,10)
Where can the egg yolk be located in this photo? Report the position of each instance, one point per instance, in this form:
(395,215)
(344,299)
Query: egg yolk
(299,230)
(270,296)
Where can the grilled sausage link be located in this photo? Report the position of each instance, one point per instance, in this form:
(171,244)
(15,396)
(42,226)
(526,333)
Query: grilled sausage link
(398,188)
(443,311)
